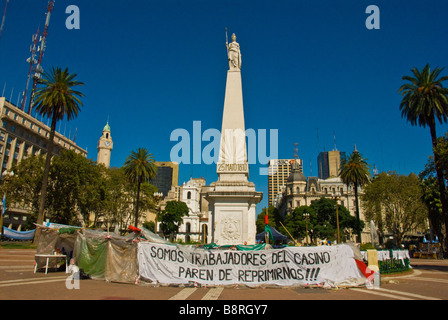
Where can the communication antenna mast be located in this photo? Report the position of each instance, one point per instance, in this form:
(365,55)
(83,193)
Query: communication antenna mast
(334,139)
(34,48)
(4,17)
(296,151)
(39,70)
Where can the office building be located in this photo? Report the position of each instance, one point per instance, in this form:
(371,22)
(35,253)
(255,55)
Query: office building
(278,173)
(166,177)
(329,163)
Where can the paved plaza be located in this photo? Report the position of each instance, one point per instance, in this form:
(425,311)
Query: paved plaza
(428,280)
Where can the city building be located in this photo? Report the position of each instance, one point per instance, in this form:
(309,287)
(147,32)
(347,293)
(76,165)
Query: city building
(105,146)
(194,227)
(278,173)
(21,136)
(167,176)
(301,191)
(329,163)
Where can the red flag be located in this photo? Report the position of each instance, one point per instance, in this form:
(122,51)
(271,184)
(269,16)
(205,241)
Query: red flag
(266,219)
(364,269)
(134,229)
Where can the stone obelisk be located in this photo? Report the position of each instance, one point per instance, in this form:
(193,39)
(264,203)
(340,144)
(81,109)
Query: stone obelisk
(233,199)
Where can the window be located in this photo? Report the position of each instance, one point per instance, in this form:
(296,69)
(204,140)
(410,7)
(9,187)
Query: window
(189,195)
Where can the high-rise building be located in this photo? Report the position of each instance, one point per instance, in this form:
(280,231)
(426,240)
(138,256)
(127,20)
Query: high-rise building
(166,177)
(329,163)
(278,173)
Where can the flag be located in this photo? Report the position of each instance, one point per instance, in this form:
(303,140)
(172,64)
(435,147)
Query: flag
(4,203)
(268,232)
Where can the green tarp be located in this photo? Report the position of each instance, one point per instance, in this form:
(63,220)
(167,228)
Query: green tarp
(238,247)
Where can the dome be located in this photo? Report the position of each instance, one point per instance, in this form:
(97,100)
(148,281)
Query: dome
(296,176)
(107,128)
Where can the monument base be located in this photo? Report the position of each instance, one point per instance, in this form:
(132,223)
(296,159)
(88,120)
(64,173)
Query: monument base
(233,212)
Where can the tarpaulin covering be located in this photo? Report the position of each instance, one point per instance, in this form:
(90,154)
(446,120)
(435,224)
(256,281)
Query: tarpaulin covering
(90,254)
(106,256)
(18,235)
(274,235)
(290,266)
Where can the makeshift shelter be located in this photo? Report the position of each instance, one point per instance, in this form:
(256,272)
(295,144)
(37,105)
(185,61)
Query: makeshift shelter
(107,256)
(52,240)
(275,234)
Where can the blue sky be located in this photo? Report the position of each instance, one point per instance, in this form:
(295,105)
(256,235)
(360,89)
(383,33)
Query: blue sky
(311,69)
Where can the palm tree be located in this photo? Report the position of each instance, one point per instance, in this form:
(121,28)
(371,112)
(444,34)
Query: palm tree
(356,172)
(139,167)
(55,100)
(425,100)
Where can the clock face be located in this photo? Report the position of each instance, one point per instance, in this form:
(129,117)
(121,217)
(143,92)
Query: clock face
(107,143)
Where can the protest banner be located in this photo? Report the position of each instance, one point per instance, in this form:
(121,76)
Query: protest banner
(290,266)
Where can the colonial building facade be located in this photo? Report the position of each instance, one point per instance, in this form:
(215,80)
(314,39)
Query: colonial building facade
(301,191)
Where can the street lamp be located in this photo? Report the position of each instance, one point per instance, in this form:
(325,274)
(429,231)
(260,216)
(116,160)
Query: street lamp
(306,215)
(5,175)
(158,196)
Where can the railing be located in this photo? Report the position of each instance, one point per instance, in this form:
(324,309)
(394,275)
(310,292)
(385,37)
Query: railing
(391,261)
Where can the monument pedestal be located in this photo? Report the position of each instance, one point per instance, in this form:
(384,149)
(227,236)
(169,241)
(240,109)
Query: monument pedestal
(233,212)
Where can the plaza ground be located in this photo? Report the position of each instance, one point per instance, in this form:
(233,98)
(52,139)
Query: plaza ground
(428,280)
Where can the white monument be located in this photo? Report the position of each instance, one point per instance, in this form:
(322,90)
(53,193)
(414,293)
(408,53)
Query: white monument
(233,199)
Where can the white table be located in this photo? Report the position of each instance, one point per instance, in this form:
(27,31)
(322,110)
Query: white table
(48,257)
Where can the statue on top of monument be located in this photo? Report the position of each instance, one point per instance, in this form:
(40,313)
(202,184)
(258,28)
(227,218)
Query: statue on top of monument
(234,54)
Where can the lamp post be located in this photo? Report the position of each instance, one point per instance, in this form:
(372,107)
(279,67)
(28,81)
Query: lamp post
(5,175)
(158,196)
(337,198)
(306,215)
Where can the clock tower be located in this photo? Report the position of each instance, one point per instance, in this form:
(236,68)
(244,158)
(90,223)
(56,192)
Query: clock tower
(105,146)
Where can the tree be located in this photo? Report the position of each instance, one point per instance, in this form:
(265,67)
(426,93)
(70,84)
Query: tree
(139,167)
(425,100)
(118,199)
(273,216)
(326,222)
(22,189)
(55,100)
(355,172)
(171,217)
(297,224)
(76,188)
(394,203)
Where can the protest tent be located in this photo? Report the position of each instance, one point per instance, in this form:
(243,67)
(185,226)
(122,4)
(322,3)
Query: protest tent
(277,236)
(54,239)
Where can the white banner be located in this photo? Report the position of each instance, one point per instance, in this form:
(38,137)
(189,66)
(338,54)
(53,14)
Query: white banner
(170,264)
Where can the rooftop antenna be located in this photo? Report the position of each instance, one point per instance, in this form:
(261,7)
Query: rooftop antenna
(38,70)
(74,137)
(334,139)
(32,61)
(296,151)
(3,19)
